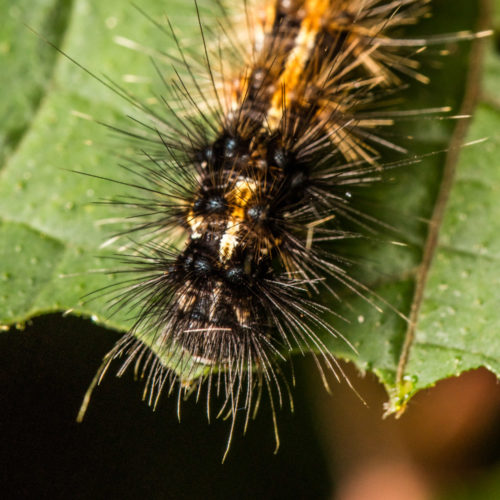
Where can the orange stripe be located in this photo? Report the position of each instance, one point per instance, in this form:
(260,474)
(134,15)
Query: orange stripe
(239,198)
(316,11)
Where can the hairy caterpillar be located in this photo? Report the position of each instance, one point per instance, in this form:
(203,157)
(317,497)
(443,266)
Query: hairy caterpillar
(257,176)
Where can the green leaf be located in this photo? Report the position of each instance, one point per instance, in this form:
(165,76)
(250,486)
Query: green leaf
(454,315)
(458,321)
(51,233)
(41,200)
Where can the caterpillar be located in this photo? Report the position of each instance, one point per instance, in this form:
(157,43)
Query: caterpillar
(244,190)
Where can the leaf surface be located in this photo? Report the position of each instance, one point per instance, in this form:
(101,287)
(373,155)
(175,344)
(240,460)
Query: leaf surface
(51,232)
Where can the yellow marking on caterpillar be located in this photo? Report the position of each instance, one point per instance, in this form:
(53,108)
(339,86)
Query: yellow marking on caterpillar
(195,222)
(238,198)
(316,11)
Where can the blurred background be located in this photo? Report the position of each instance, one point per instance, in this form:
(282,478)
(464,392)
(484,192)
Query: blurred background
(446,446)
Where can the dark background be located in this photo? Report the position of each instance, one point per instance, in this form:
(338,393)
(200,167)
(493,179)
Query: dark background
(123,449)
(447,443)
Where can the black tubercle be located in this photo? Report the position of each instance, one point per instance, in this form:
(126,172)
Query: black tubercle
(200,262)
(235,275)
(226,148)
(257,214)
(282,182)
(220,300)
(210,201)
(235,153)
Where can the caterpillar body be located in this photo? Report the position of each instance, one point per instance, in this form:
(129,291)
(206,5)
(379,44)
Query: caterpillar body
(257,177)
